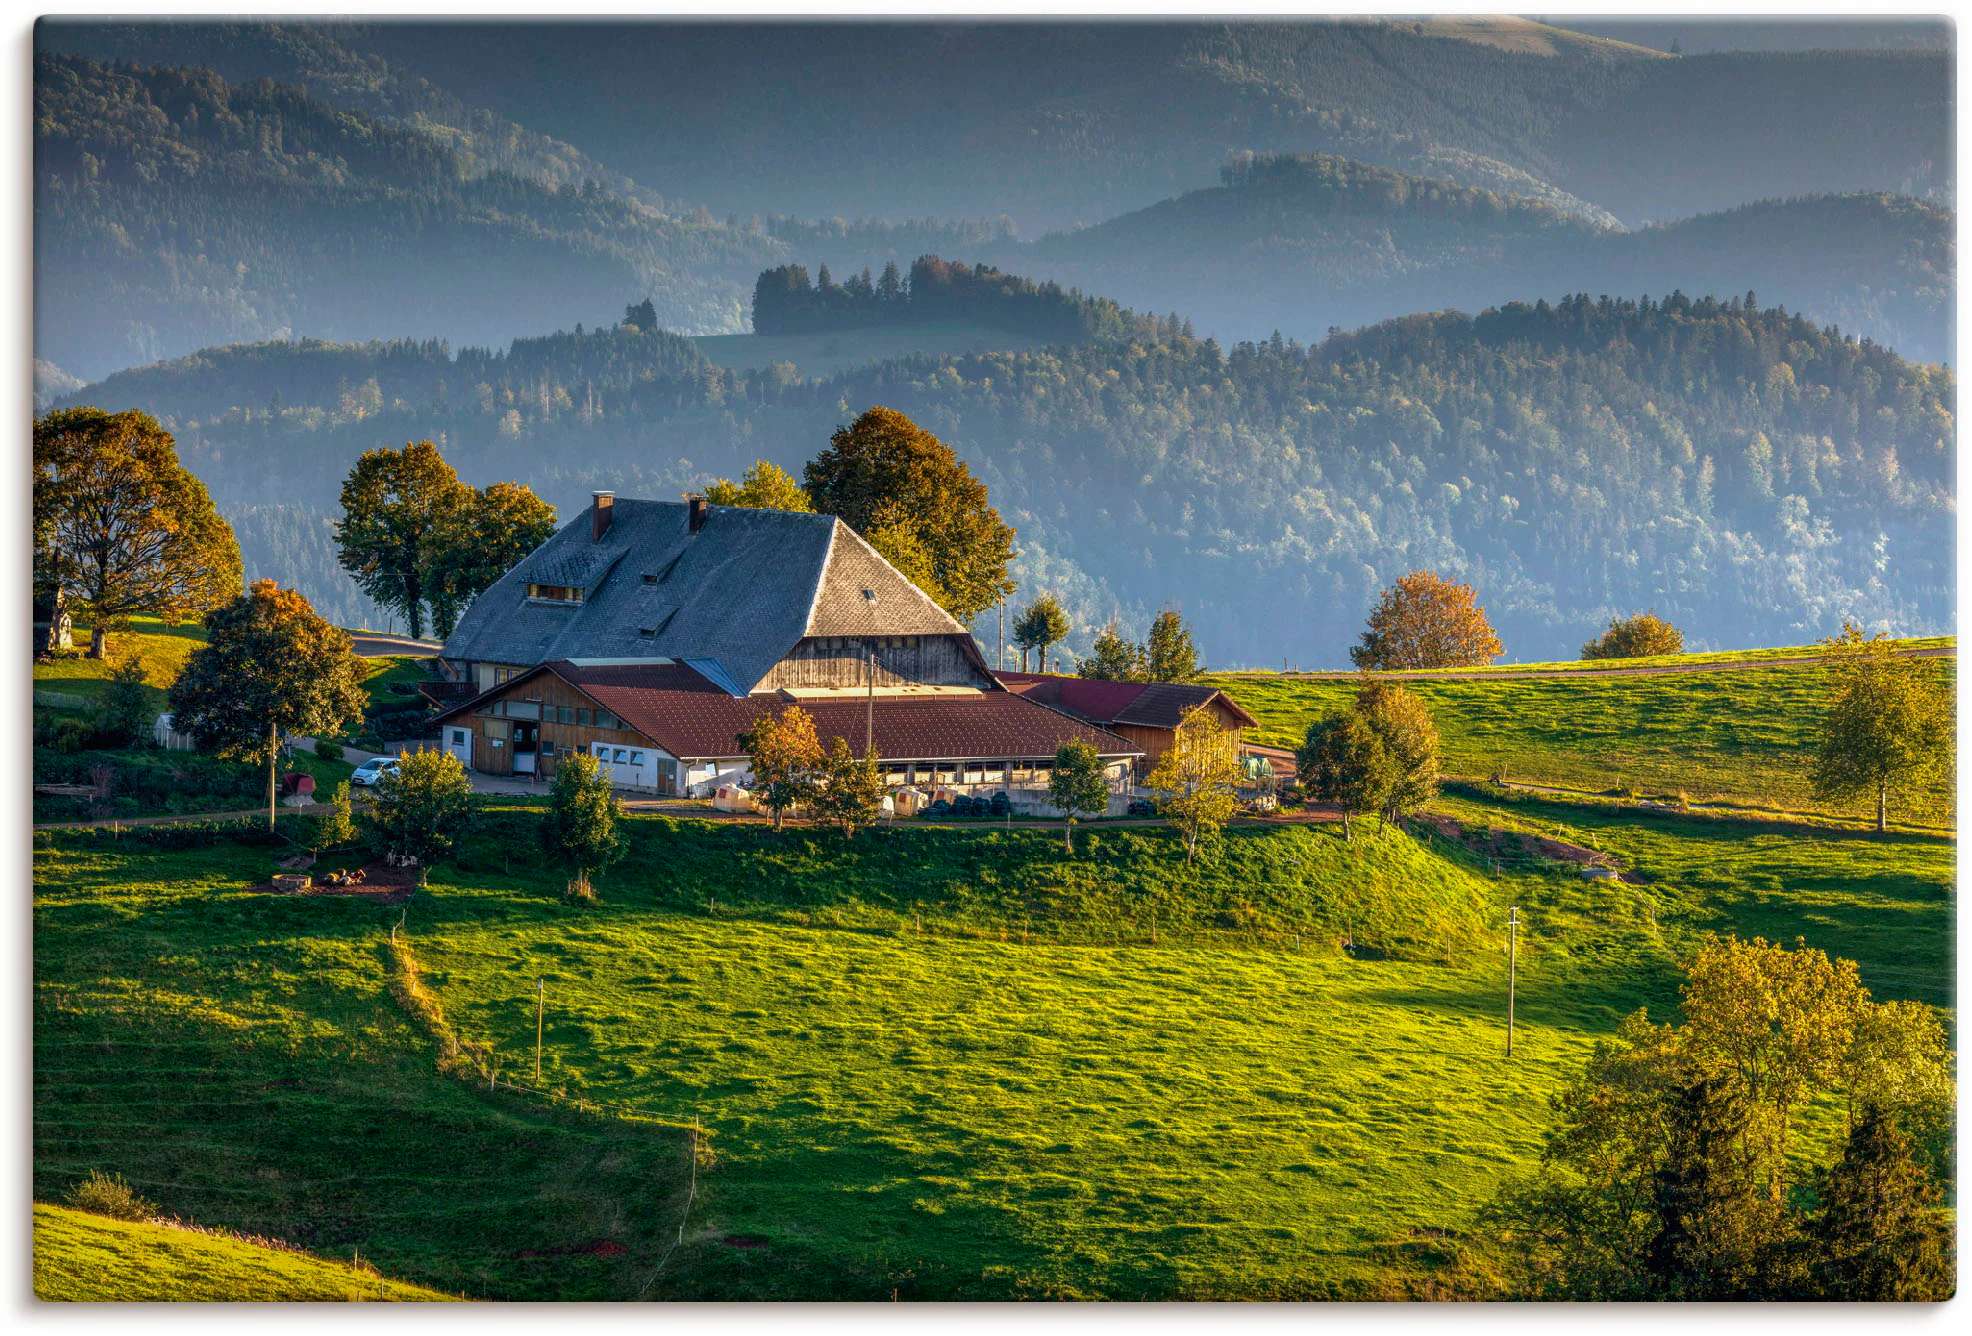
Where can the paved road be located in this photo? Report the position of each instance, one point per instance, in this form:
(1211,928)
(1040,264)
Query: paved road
(1649,670)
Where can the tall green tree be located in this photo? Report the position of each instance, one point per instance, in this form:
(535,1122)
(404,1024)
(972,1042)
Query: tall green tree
(1114,658)
(269,666)
(121,529)
(1077,786)
(1878,1237)
(1041,625)
(1341,760)
(1410,746)
(851,790)
(1196,779)
(422,812)
(1169,654)
(1889,722)
(396,505)
(472,546)
(1717,1236)
(764,486)
(579,827)
(904,490)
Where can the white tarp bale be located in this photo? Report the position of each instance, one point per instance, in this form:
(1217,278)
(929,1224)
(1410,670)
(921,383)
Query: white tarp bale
(732,798)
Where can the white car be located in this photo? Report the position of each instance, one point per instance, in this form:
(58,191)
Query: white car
(373,771)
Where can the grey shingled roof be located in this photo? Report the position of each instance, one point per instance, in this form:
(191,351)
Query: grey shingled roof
(736,596)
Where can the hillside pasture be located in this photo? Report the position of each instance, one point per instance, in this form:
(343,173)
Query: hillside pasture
(83,1258)
(1739,736)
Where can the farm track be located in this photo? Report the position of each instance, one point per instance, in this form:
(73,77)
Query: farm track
(1551,674)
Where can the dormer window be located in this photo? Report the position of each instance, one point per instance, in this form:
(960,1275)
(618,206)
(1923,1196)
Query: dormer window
(554,593)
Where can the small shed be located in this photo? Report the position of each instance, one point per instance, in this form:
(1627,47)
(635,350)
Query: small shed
(170,738)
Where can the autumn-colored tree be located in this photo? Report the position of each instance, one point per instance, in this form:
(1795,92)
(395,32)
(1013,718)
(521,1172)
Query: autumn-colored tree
(787,760)
(579,827)
(395,506)
(1169,654)
(1410,746)
(851,789)
(1424,621)
(1077,786)
(1041,625)
(121,529)
(1635,638)
(1889,722)
(487,533)
(1115,657)
(422,811)
(269,665)
(906,492)
(1196,777)
(765,486)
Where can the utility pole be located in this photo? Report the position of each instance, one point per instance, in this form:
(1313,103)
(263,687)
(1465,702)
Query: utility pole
(540,999)
(1512,934)
(1001,664)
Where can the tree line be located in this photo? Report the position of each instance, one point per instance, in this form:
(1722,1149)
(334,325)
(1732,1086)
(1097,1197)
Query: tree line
(786,302)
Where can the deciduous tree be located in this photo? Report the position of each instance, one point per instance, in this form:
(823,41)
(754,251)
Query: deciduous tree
(1410,746)
(890,479)
(124,709)
(1889,722)
(1424,621)
(787,760)
(1196,778)
(1341,760)
(423,810)
(476,543)
(851,790)
(395,505)
(1169,654)
(1041,625)
(269,665)
(121,528)
(1115,658)
(765,486)
(579,827)
(1635,637)
(1077,786)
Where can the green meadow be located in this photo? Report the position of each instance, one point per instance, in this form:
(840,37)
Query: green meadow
(83,1258)
(929,1064)
(1736,736)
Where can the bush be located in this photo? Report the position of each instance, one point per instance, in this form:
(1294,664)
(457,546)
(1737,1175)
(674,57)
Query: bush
(328,749)
(1635,638)
(108,1194)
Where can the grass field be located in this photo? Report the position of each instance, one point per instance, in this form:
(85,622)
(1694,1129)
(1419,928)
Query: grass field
(1737,736)
(83,1258)
(939,1115)
(1645,661)
(826,354)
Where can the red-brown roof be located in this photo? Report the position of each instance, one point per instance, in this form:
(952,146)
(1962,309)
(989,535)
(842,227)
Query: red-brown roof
(689,717)
(1137,704)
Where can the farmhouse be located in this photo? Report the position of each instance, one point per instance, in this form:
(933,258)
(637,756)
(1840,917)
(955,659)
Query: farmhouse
(1146,714)
(652,634)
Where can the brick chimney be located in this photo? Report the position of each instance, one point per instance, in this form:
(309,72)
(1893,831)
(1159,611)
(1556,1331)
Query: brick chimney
(600,515)
(695,513)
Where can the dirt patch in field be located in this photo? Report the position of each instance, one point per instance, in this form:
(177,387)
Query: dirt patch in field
(594,1248)
(382,883)
(1493,842)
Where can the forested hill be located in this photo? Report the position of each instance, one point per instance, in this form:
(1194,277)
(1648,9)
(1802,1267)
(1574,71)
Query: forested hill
(1752,476)
(1305,243)
(175,210)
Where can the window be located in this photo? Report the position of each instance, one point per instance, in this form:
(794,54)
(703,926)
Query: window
(564,714)
(621,756)
(636,758)
(458,737)
(555,593)
(604,719)
(582,717)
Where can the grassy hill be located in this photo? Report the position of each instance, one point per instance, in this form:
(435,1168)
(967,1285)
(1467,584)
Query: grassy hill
(966,1110)
(83,1258)
(1735,736)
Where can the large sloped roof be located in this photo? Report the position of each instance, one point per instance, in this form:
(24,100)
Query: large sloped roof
(1138,704)
(677,708)
(733,598)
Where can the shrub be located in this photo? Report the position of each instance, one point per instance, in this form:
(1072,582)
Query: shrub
(110,1195)
(328,749)
(1635,638)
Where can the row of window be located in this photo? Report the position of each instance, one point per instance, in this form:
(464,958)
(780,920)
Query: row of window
(553,714)
(559,593)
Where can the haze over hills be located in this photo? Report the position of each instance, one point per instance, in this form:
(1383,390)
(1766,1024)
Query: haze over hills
(1753,477)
